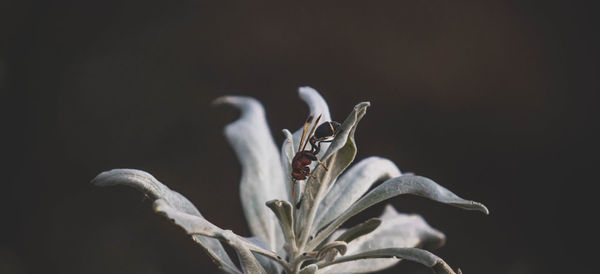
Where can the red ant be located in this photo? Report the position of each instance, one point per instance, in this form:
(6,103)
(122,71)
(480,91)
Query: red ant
(303,158)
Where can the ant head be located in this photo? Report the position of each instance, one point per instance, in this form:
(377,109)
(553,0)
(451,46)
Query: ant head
(326,130)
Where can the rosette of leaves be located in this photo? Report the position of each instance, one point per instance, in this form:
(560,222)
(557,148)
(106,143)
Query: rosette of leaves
(305,235)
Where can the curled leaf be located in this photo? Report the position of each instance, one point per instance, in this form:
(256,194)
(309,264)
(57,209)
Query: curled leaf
(317,106)
(262,176)
(330,250)
(147,184)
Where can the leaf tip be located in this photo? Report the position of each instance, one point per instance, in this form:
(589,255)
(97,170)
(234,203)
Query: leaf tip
(365,104)
(97,181)
(305,89)
(105,178)
(159,206)
(286,133)
(481,207)
(222,100)
(273,203)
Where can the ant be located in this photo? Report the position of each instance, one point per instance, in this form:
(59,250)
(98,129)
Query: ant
(303,158)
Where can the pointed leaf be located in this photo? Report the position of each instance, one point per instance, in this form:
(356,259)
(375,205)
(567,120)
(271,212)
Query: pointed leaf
(339,155)
(315,102)
(423,257)
(330,250)
(262,176)
(147,184)
(406,184)
(347,129)
(352,185)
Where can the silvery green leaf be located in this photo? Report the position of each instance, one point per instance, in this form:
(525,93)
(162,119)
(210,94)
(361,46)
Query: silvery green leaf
(400,230)
(406,184)
(194,225)
(346,131)
(315,102)
(287,149)
(147,184)
(352,185)
(421,256)
(190,223)
(248,261)
(262,176)
(339,155)
(283,212)
(359,230)
(287,155)
(396,230)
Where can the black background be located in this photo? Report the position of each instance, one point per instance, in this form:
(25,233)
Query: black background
(492,99)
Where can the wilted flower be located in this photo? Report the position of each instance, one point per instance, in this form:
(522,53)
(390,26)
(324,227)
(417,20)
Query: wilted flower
(304,236)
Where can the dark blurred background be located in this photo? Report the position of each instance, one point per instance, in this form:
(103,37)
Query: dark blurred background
(492,99)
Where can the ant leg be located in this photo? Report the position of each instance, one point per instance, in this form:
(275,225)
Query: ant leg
(322,164)
(293,189)
(327,141)
(316,145)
